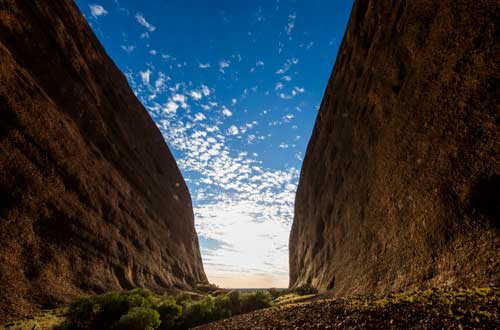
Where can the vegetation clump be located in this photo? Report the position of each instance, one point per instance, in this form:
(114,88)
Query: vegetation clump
(105,311)
(140,318)
(141,310)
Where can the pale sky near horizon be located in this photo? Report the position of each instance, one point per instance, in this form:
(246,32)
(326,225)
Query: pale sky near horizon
(234,87)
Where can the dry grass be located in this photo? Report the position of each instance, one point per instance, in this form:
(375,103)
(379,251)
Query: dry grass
(44,320)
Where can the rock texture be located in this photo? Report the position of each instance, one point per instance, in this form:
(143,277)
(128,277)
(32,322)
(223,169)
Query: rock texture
(400,186)
(91,198)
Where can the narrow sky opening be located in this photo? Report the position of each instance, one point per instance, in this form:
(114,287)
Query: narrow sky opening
(234,87)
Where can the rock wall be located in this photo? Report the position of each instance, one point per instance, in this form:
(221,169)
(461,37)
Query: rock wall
(400,186)
(91,198)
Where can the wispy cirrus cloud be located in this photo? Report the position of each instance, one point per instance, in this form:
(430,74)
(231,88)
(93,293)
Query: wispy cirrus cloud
(128,48)
(287,65)
(142,21)
(290,25)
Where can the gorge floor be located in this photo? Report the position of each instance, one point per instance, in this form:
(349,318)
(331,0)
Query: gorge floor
(430,309)
(472,308)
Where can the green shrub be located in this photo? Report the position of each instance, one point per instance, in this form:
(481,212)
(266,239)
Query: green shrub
(222,307)
(140,318)
(104,311)
(183,298)
(169,312)
(81,314)
(235,298)
(255,300)
(198,312)
(140,310)
(116,304)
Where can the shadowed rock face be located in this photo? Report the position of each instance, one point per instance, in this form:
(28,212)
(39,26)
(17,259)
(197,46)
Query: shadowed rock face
(400,186)
(91,198)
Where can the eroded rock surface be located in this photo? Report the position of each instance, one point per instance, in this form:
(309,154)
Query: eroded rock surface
(400,186)
(91,198)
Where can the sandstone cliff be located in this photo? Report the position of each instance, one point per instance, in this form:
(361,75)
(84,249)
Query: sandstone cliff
(91,198)
(400,186)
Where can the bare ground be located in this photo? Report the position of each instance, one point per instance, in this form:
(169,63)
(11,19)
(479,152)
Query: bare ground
(430,309)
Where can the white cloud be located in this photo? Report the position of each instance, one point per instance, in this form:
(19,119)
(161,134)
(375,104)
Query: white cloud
(171,107)
(152,52)
(233,130)
(181,100)
(257,65)
(286,78)
(298,90)
(247,126)
(204,65)
(291,24)
(295,91)
(205,90)
(160,83)
(128,49)
(142,20)
(199,116)
(287,65)
(223,65)
(196,95)
(226,112)
(97,10)
(145,76)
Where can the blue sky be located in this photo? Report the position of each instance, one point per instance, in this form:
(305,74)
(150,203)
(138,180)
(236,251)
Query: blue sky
(234,86)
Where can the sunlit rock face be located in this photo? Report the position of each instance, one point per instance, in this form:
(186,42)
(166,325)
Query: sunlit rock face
(400,186)
(91,199)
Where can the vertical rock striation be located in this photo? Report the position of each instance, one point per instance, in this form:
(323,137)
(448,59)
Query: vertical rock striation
(400,186)
(91,198)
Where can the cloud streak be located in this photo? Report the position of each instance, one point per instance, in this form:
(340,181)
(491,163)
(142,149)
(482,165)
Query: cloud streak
(139,17)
